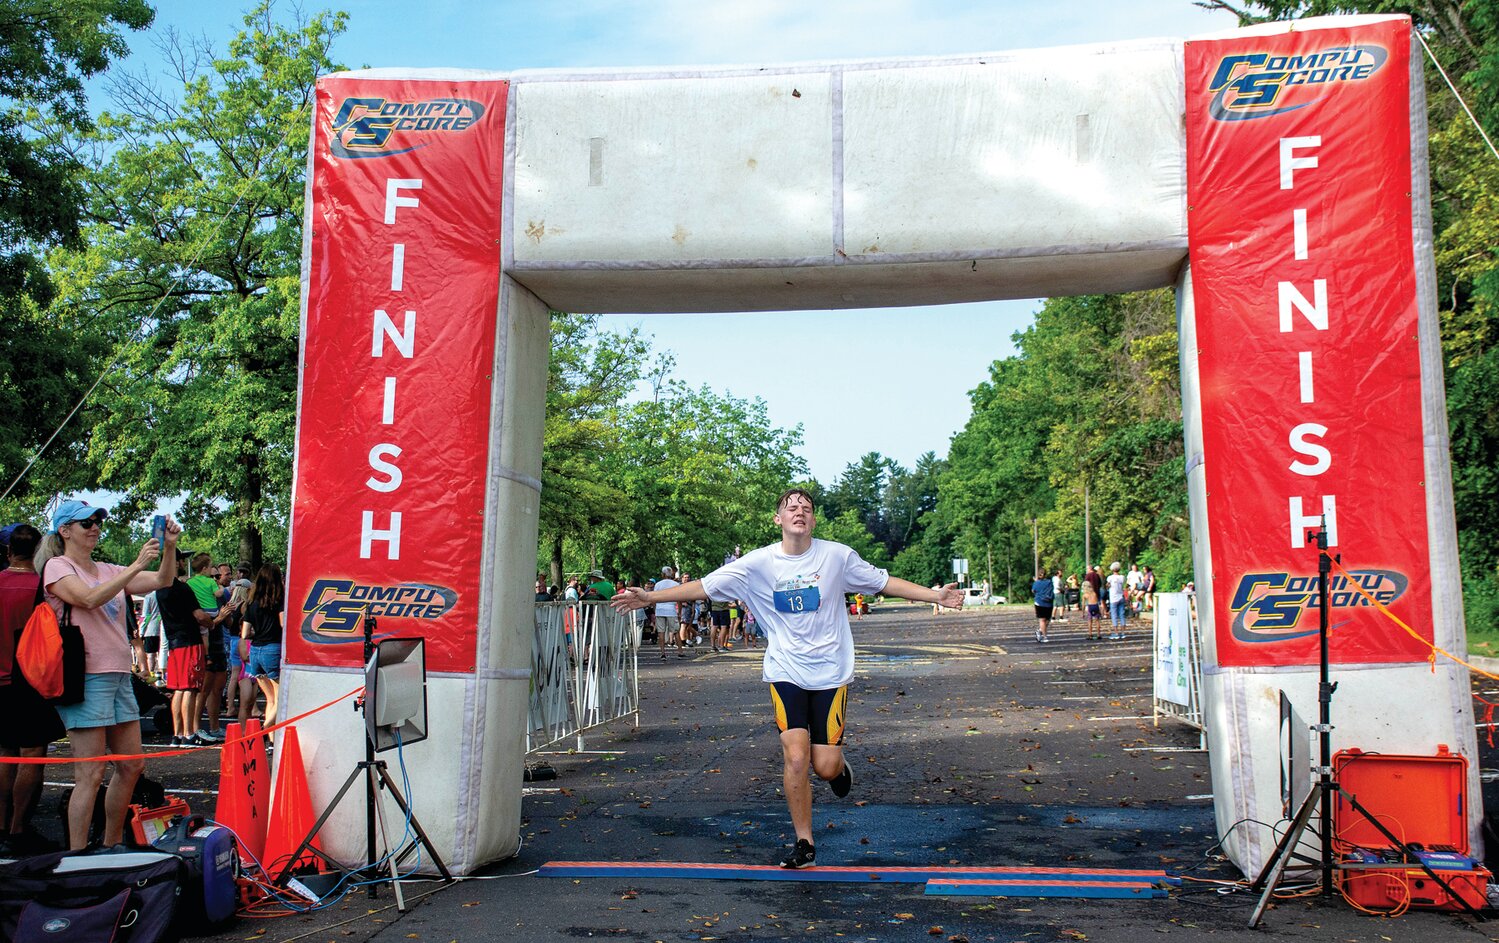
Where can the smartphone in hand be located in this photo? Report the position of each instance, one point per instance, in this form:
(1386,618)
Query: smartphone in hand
(159,528)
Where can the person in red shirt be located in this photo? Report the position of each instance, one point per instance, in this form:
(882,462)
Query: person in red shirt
(27,723)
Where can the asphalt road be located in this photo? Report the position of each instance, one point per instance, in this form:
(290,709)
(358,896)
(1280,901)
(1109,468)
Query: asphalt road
(971,745)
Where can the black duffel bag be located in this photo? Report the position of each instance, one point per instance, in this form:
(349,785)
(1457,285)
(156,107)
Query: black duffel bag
(91,897)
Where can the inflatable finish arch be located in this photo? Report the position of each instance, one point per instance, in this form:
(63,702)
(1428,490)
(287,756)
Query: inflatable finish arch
(1275,176)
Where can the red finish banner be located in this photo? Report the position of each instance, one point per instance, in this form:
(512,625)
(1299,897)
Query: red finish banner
(1303,273)
(398,349)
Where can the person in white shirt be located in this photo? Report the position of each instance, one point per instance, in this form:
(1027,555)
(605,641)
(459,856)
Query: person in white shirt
(1117,601)
(666,615)
(796,588)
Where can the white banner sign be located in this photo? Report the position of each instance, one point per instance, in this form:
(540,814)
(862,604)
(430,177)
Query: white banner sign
(1173,661)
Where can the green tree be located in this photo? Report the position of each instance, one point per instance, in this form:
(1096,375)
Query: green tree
(848,529)
(192,271)
(861,489)
(700,472)
(909,497)
(47,49)
(590,374)
(1088,404)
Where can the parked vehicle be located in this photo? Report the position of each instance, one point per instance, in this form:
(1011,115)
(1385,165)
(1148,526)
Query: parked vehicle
(975,596)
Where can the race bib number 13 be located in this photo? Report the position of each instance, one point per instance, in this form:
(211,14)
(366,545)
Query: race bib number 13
(800,599)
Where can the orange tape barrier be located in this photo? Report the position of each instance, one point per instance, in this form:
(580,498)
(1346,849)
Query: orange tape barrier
(1436,650)
(111,757)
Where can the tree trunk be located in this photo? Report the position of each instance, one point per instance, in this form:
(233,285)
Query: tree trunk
(557,561)
(251,544)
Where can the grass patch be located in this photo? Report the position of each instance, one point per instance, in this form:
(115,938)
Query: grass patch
(1481,607)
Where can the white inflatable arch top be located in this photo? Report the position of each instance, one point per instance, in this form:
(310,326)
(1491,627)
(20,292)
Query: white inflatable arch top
(1275,176)
(843,185)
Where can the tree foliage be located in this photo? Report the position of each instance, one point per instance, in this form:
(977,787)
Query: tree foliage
(691,473)
(1086,413)
(191,272)
(47,49)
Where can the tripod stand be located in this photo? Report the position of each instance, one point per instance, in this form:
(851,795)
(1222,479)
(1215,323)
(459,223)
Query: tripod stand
(376,776)
(1319,800)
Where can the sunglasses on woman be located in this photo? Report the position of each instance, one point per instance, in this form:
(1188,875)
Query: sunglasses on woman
(89,523)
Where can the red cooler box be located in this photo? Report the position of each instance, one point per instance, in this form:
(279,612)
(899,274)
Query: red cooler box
(1423,801)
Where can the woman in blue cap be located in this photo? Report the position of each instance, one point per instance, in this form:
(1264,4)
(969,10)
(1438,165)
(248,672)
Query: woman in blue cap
(107,720)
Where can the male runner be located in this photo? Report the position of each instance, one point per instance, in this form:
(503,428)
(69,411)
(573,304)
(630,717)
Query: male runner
(796,589)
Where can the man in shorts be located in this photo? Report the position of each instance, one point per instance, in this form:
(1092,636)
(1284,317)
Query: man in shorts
(1118,601)
(666,614)
(720,616)
(796,588)
(183,620)
(1043,594)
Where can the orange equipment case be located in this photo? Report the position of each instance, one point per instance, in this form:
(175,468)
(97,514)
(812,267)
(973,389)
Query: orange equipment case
(1422,800)
(150,824)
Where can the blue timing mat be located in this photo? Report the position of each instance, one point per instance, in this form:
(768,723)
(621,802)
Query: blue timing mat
(844,874)
(1117,890)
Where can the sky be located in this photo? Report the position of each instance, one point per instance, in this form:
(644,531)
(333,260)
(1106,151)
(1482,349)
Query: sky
(898,379)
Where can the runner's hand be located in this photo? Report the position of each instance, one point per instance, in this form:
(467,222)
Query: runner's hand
(628,600)
(951,597)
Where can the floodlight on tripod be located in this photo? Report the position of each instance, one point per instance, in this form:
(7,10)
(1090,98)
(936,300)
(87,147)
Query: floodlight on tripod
(395,693)
(394,706)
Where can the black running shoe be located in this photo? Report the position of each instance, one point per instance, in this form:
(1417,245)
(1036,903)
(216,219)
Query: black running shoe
(802,856)
(844,781)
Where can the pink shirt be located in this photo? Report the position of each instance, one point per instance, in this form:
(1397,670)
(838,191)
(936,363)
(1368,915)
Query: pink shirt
(106,645)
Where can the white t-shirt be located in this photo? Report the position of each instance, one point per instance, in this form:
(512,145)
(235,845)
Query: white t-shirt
(666,608)
(798,601)
(1116,587)
(1135,579)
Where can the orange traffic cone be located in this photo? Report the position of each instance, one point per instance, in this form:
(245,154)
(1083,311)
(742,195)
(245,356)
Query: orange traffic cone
(255,795)
(227,810)
(291,809)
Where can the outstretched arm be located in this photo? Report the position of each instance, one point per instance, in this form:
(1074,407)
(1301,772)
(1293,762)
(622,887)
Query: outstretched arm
(634,597)
(949,596)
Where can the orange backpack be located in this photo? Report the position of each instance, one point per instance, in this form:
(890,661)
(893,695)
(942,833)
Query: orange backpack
(50,655)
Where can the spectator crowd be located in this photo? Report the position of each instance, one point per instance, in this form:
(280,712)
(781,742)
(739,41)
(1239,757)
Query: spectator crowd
(172,626)
(676,626)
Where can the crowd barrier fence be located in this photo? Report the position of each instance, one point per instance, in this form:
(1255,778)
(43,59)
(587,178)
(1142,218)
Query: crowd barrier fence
(584,672)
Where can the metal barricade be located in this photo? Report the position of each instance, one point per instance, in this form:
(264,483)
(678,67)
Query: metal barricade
(1177,663)
(584,671)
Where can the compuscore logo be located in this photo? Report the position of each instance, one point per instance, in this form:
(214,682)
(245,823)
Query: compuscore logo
(334,610)
(1259,84)
(379,127)
(1274,607)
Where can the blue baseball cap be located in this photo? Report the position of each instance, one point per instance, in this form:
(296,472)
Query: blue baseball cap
(6,532)
(75,510)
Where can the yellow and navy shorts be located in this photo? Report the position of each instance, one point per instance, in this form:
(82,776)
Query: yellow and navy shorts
(821,713)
